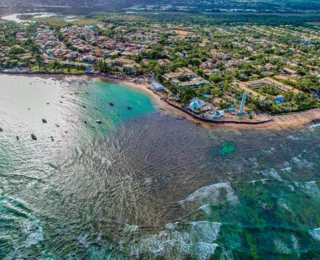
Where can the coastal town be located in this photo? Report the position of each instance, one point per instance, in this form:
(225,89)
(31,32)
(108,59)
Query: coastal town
(160,129)
(239,73)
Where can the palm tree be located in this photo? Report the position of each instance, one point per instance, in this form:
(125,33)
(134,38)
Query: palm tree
(38,60)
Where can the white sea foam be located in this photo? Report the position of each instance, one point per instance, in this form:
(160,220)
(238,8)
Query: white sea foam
(179,241)
(310,188)
(281,247)
(131,228)
(282,203)
(270,150)
(291,137)
(256,181)
(34,233)
(295,244)
(204,251)
(253,162)
(206,231)
(226,255)
(171,226)
(314,126)
(82,239)
(287,169)
(315,233)
(302,163)
(213,193)
(271,173)
(206,209)
(291,188)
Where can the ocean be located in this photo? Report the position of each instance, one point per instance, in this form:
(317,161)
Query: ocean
(145,184)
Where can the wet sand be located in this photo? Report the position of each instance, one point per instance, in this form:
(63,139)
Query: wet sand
(279,122)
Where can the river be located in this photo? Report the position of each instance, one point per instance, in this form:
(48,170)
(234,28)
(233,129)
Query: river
(15,17)
(146,184)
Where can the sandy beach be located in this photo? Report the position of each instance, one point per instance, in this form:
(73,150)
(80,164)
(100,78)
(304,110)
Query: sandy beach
(278,122)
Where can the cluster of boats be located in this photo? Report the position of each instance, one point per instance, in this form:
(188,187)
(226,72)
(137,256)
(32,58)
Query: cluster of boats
(34,137)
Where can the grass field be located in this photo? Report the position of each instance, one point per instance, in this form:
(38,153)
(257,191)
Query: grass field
(60,21)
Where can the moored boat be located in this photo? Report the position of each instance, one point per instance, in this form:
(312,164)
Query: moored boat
(33,136)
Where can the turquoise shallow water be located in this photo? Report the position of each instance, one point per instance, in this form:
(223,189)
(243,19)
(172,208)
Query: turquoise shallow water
(147,185)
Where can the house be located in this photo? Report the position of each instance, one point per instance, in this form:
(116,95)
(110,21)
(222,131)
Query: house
(180,72)
(164,62)
(196,104)
(290,71)
(156,86)
(213,115)
(195,82)
(130,68)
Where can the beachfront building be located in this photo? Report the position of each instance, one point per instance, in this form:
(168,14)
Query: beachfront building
(196,105)
(156,86)
(251,87)
(214,115)
(243,86)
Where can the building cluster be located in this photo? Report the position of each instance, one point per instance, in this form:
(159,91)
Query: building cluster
(273,65)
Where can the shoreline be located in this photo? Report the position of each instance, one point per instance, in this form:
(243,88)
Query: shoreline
(278,122)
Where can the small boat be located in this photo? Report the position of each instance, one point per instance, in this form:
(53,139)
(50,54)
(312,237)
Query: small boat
(84,106)
(17,138)
(48,103)
(33,136)
(1,129)
(61,102)
(57,125)
(111,104)
(139,104)
(44,121)
(98,122)
(52,139)
(85,122)
(129,108)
